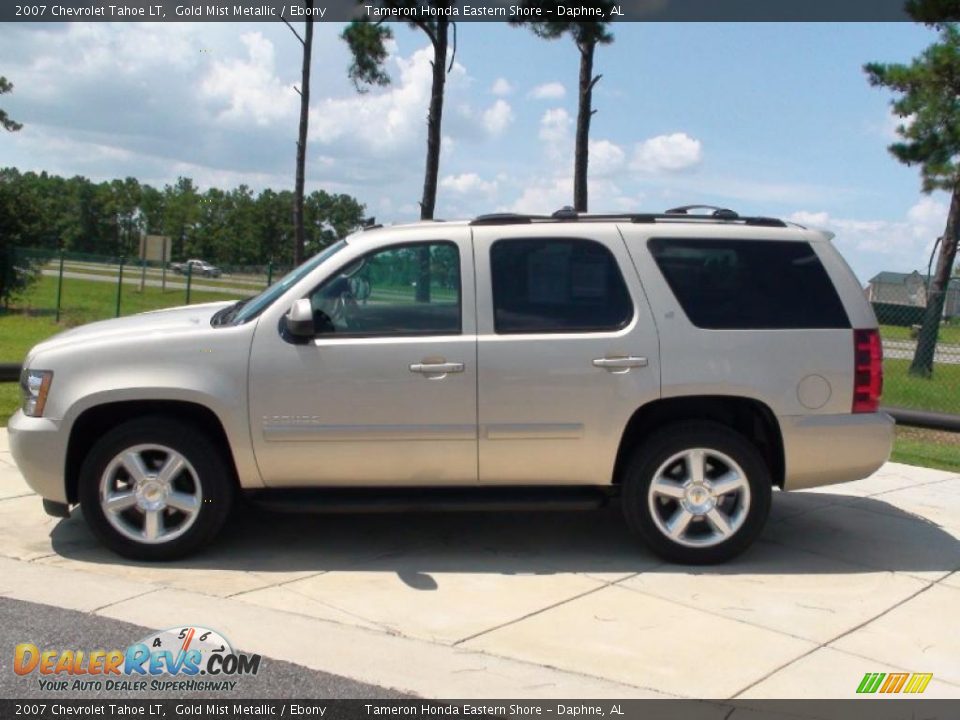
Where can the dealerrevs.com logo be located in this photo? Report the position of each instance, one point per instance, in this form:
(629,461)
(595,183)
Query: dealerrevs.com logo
(185,659)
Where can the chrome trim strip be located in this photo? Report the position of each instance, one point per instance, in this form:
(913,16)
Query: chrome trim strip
(534,431)
(305,431)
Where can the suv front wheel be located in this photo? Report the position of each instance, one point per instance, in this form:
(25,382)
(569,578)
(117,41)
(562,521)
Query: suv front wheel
(697,493)
(155,489)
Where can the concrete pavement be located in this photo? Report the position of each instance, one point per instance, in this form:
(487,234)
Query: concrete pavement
(850,579)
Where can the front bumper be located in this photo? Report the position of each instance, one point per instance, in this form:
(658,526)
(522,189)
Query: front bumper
(39,449)
(828,449)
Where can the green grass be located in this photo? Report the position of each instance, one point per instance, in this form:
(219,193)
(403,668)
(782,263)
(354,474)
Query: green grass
(31,319)
(948,335)
(928,448)
(940,393)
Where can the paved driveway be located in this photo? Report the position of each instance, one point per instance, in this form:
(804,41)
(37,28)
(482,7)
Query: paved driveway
(852,579)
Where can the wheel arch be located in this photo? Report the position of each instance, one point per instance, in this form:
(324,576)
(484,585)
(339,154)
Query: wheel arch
(751,418)
(95,421)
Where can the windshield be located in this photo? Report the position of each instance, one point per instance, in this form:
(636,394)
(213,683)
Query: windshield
(260,303)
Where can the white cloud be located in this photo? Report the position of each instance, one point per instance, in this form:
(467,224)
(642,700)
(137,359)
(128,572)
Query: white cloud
(501,86)
(555,125)
(545,197)
(548,91)
(248,88)
(497,117)
(874,245)
(388,121)
(606,158)
(667,153)
(469,184)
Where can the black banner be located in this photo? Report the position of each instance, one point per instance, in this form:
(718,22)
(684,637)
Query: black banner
(460,11)
(865,709)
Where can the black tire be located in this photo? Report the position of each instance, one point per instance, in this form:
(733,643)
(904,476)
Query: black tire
(213,474)
(667,443)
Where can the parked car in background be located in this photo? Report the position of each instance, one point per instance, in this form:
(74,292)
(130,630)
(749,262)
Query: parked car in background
(681,366)
(196,267)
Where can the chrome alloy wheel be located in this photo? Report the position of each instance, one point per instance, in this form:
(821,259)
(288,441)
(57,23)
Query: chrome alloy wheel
(699,497)
(150,494)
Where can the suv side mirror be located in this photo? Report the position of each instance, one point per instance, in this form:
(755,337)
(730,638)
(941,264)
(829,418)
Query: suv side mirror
(300,320)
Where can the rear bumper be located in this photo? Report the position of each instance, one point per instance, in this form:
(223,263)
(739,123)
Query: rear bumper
(828,449)
(39,449)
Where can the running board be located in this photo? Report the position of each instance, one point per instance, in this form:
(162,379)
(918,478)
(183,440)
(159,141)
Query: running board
(441,499)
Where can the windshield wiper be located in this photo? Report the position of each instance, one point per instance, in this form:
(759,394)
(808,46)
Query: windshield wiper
(228,313)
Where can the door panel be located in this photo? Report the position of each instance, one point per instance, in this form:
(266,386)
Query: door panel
(553,403)
(358,406)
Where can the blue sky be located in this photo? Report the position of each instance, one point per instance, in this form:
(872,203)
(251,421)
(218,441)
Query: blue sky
(766,119)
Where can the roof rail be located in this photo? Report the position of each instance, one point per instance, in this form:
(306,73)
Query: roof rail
(679,214)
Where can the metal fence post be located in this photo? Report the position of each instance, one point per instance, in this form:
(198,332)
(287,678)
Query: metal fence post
(59,285)
(270,273)
(143,274)
(119,286)
(189,279)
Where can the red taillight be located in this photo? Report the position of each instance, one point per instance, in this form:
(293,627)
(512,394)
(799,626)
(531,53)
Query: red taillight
(867,370)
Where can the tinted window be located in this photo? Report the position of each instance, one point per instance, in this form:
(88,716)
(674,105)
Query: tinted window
(749,284)
(399,290)
(547,285)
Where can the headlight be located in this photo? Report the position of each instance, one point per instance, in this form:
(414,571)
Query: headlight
(35,385)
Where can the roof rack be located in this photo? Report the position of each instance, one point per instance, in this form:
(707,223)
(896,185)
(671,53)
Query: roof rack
(678,214)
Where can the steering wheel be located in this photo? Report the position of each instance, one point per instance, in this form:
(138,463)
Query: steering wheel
(339,312)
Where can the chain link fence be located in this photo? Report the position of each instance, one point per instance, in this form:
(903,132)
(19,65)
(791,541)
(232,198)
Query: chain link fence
(925,397)
(75,288)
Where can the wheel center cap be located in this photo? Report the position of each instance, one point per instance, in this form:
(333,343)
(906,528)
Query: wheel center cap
(151,494)
(697,499)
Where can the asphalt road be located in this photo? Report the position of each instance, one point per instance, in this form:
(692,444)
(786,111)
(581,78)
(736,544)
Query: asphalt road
(904,350)
(52,628)
(134,279)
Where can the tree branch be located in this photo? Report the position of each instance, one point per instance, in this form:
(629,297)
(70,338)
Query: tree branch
(453,55)
(594,82)
(425,26)
(293,30)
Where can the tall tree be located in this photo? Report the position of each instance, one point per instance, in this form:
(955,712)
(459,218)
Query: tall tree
(8,124)
(586,36)
(306,40)
(927,97)
(366,41)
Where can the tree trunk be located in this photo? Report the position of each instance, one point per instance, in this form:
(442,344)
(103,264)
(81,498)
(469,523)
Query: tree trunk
(584,113)
(922,364)
(434,119)
(299,234)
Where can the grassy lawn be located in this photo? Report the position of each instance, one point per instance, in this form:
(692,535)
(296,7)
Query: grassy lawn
(31,319)
(940,393)
(948,335)
(929,448)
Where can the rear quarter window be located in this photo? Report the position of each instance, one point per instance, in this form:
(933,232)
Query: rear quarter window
(749,284)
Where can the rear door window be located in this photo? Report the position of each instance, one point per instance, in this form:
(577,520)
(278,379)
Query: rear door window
(749,284)
(553,285)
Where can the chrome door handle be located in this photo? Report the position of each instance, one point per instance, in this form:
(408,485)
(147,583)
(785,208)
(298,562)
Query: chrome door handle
(620,363)
(437,368)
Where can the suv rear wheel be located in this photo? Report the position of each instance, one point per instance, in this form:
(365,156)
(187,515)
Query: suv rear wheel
(155,489)
(697,493)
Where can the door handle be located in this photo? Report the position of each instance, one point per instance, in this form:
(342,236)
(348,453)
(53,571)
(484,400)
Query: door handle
(437,368)
(621,364)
